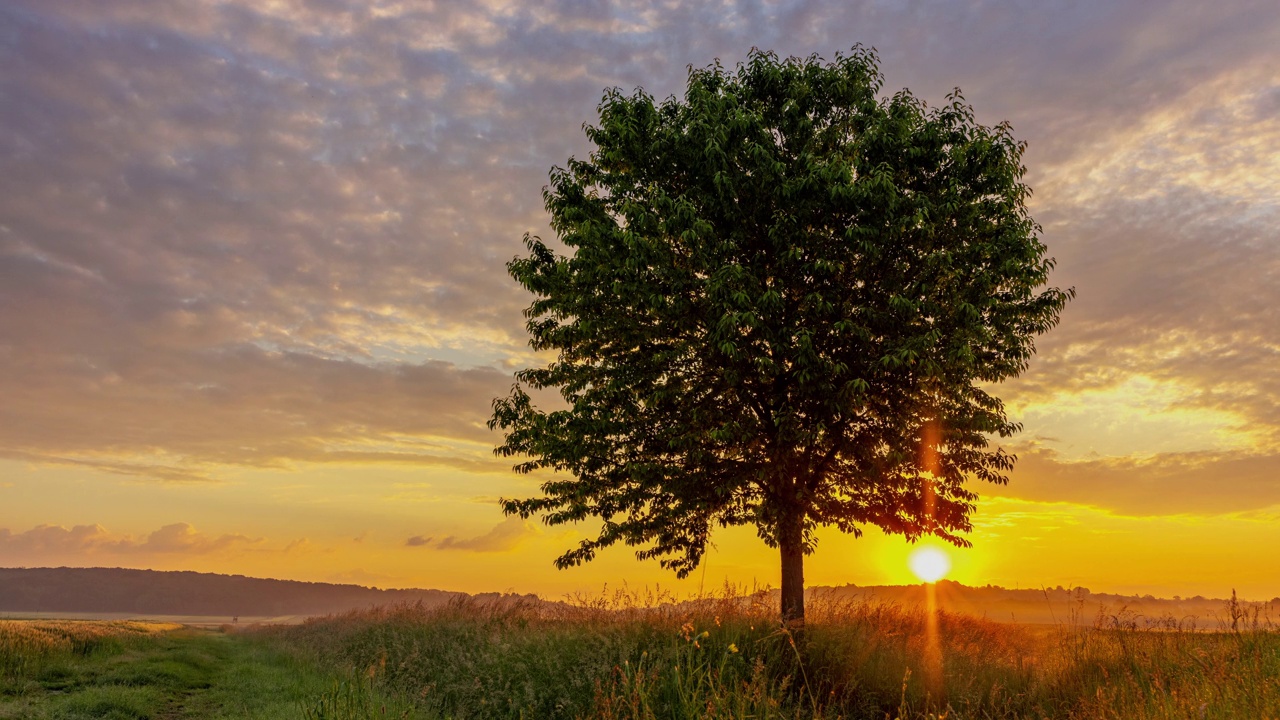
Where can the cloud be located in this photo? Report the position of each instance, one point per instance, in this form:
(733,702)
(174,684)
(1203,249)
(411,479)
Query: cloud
(55,539)
(1192,484)
(504,536)
(183,538)
(418,541)
(252,407)
(248,265)
(177,538)
(241,234)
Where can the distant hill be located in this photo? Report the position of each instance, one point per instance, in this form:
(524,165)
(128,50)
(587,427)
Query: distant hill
(1059,605)
(151,592)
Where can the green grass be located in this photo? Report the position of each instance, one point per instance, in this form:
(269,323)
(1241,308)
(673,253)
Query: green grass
(170,674)
(635,659)
(727,659)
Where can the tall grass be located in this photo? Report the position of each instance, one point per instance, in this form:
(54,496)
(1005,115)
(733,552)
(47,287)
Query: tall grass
(96,669)
(28,646)
(630,656)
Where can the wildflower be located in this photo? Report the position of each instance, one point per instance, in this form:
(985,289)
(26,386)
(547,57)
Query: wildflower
(733,648)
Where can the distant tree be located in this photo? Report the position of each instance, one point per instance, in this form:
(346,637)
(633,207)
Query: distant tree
(784,305)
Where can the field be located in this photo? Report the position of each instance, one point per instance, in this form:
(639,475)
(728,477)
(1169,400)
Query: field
(633,657)
(134,670)
(627,658)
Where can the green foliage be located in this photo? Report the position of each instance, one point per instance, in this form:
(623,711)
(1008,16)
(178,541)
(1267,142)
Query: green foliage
(783,300)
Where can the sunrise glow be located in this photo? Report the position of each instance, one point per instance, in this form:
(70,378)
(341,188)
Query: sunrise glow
(930,564)
(254,304)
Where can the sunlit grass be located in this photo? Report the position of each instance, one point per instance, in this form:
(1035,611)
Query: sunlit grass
(27,646)
(629,656)
(626,656)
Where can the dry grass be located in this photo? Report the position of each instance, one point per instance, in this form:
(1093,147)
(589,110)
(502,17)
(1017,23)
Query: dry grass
(635,656)
(28,644)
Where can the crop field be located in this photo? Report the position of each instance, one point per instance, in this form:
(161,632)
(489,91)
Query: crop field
(631,657)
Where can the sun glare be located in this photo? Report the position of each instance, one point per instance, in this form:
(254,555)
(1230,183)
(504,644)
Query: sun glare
(929,564)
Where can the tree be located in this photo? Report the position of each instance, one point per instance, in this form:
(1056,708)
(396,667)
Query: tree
(785,303)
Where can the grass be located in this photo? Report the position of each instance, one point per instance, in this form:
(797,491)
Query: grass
(133,671)
(631,657)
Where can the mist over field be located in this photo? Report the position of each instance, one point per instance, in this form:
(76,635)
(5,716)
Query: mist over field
(208,598)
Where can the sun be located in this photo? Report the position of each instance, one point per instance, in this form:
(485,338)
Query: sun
(929,564)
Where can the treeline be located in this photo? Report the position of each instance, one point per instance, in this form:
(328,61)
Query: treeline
(151,592)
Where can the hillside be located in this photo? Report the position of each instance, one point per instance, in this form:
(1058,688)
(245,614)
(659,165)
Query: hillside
(151,592)
(1059,605)
(154,593)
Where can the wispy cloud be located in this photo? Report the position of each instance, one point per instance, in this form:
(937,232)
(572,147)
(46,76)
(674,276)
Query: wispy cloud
(1203,484)
(54,540)
(504,536)
(267,235)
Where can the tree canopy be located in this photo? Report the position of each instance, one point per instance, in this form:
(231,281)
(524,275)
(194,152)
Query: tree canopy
(784,303)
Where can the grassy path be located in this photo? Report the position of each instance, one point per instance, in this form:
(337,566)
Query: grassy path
(172,676)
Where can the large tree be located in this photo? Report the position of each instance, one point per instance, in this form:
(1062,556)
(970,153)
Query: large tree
(785,302)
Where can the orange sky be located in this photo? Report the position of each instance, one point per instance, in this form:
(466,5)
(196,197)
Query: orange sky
(253,307)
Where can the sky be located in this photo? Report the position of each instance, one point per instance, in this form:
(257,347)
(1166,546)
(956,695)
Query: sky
(254,308)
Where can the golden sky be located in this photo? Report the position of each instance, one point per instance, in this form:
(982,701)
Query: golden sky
(253,304)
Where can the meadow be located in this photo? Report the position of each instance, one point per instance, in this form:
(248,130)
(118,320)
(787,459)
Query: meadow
(627,656)
(66,669)
(637,657)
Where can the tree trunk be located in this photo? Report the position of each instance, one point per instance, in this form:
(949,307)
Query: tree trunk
(791,544)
